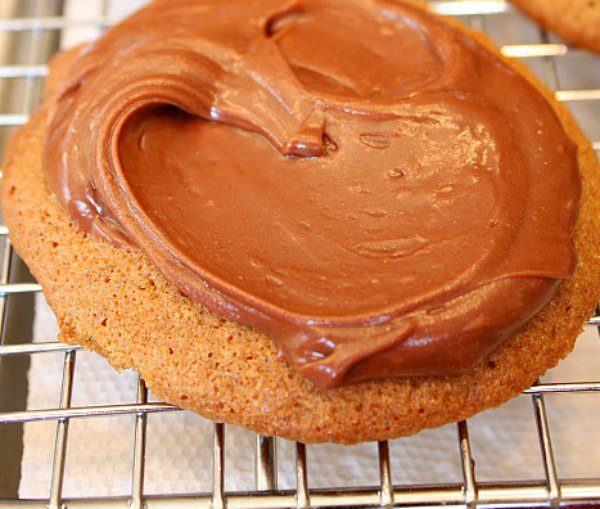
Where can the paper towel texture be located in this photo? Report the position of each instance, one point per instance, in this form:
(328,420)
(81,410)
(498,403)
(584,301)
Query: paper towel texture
(179,452)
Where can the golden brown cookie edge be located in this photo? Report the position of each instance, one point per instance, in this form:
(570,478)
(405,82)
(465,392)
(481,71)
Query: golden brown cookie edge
(578,29)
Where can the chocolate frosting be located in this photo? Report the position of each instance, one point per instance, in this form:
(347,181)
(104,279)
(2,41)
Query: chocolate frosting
(357,178)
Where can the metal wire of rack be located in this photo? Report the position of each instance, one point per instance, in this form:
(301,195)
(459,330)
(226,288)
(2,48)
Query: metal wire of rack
(550,491)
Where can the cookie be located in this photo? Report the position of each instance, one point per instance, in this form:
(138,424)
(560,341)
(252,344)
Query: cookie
(577,21)
(114,301)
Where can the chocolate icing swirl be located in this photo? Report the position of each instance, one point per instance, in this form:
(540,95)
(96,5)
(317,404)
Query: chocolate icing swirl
(356,178)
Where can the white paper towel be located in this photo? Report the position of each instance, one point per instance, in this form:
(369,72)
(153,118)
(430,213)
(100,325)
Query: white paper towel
(179,453)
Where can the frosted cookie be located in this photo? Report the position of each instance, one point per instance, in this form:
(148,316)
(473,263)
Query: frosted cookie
(319,245)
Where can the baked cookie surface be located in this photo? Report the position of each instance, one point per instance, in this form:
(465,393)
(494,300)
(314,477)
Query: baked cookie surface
(577,21)
(114,301)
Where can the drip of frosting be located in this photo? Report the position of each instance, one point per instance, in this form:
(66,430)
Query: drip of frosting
(358,179)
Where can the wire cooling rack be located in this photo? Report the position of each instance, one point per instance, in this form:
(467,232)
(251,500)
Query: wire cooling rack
(29,40)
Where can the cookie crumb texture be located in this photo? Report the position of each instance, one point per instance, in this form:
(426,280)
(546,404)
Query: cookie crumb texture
(577,21)
(114,301)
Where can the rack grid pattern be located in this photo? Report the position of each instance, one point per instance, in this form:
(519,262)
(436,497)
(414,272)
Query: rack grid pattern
(550,491)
